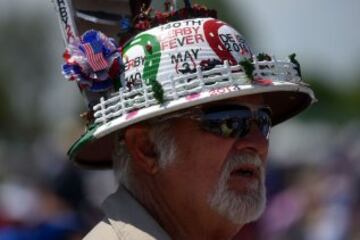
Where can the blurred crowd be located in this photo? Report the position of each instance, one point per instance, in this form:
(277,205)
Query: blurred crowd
(311,200)
(306,201)
(310,203)
(55,208)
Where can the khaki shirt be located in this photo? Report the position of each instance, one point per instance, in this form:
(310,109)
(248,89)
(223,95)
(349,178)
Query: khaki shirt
(126,219)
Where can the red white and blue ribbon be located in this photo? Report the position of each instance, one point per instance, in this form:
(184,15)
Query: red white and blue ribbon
(93,61)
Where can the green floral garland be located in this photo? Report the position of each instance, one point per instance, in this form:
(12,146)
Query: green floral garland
(248,67)
(294,61)
(263,57)
(158,91)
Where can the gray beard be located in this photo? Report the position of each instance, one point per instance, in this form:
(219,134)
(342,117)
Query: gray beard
(240,208)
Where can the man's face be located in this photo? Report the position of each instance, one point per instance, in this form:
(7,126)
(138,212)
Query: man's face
(216,177)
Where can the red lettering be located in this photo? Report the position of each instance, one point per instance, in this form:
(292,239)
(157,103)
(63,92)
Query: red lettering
(132,63)
(172,43)
(196,29)
(187,30)
(199,38)
(164,44)
(69,33)
(189,39)
(178,32)
(212,92)
(219,91)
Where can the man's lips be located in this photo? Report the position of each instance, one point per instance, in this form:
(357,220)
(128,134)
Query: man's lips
(246,170)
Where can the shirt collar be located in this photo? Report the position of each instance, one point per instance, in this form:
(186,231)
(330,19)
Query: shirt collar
(122,208)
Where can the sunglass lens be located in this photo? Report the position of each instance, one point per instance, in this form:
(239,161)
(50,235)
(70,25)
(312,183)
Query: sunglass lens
(234,127)
(235,122)
(226,122)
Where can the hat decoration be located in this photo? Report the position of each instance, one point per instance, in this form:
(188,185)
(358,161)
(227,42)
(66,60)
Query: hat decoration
(94,62)
(169,61)
(144,17)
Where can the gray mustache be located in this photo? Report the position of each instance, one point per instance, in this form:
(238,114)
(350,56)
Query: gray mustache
(237,159)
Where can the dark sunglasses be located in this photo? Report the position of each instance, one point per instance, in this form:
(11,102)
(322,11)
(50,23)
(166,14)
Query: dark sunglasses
(229,120)
(235,121)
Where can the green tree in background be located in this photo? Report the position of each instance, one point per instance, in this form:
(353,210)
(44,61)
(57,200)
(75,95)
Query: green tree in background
(23,76)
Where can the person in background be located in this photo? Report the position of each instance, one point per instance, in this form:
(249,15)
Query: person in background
(55,212)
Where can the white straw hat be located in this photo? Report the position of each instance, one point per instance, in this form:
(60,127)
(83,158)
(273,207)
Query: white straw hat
(178,65)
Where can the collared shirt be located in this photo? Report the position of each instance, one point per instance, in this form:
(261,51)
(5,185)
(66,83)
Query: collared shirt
(126,219)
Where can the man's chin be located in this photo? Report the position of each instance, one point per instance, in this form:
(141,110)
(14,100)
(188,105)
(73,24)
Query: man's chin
(240,192)
(243,184)
(242,205)
(246,207)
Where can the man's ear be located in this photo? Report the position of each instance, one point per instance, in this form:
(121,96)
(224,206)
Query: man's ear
(141,148)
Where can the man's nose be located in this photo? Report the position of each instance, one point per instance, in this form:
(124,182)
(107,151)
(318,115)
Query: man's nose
(254,141)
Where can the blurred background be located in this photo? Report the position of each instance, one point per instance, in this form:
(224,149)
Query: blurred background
(314,164)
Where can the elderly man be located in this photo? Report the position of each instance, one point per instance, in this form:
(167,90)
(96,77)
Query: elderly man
(182,111)
(198,183)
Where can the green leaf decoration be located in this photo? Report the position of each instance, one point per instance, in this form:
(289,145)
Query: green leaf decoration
(158,91)
(248,68)
(263,57)
(151,64)
(294,61)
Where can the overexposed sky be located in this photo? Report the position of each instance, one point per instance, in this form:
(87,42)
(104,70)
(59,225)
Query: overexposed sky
(325,34)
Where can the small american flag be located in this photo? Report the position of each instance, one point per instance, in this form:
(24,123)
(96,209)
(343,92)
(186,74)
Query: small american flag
(93,51)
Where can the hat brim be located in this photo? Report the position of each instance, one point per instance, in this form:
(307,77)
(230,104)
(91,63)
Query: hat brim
(94,148)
